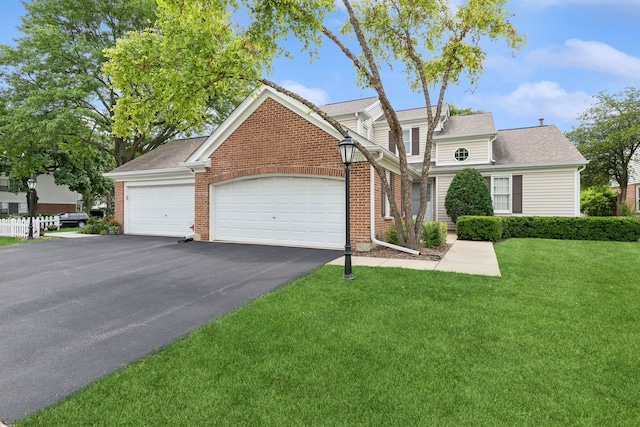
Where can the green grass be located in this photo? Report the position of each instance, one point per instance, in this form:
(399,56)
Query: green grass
(65,229)
(555,341)
(6,241)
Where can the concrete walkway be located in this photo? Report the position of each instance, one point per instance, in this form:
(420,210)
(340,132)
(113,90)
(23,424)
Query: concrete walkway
(68,235)
(464,256)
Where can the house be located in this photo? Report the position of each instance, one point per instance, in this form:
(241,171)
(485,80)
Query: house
(271,173)
(52,198)
(633,187)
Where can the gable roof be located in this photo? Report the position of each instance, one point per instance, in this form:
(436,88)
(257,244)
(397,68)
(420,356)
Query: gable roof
(481,123)
(542,145)
(348,107)
(167,156)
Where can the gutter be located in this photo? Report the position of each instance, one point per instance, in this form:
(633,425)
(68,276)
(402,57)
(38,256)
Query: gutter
(372,205)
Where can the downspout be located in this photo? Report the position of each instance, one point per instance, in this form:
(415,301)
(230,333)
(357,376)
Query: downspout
(372,204)
(491,159)
(577,187)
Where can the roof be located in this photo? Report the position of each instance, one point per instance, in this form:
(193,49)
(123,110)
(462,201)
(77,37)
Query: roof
(481,123)
(415,113)
(534,145)
(348,107)
(167,156)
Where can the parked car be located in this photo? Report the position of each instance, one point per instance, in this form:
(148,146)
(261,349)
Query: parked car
(73,219)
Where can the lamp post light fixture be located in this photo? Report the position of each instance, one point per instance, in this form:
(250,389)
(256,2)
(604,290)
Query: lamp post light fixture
(347,151)
(31,183)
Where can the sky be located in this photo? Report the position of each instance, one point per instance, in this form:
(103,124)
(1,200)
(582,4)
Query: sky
(575,49)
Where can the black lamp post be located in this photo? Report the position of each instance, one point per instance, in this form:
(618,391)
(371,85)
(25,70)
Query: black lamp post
(347,151)
(31,183)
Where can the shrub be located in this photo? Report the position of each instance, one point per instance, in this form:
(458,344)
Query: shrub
(619,229)
(95,225)
(485,228)
(391,235)
(598,201)
(434,233)
(468,194)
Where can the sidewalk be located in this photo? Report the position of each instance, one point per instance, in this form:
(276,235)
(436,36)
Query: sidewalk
(464,256)
(67,235)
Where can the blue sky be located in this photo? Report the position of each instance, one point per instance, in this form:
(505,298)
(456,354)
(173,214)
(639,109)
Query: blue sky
(575,49)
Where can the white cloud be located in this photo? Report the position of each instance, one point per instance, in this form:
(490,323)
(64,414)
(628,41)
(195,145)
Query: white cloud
(589,55)
(316,95)
(544,99)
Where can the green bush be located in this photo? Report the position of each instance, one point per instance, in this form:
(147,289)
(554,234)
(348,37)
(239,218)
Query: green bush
(468,194)
(618,229)
(434,234)
(598,201)
(485,228)
(391,235)
(95,225)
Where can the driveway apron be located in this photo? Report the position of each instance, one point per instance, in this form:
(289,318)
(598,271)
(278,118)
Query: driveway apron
(72,310)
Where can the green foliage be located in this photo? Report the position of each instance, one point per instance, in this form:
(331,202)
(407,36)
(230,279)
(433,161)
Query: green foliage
(609,137)
(620,229)
(484,228)
(95,225)
(391,235)
(598,201)
(434,234)
(468,194)
(455,111)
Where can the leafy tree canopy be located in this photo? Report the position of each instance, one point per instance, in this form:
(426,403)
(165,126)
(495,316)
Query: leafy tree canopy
(455,111)
(609,137)
(435,44)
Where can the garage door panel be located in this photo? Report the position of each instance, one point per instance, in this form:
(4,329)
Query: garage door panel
(297,211)
(160,210)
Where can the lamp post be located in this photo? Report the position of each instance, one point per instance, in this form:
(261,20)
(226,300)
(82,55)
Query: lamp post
(31,183)
(347,151)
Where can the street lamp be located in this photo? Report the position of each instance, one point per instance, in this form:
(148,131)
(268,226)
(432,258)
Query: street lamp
(31,183)
(347,151)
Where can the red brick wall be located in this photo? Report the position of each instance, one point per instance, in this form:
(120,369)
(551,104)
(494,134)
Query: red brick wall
(118,204)
(275,140)
(631,197)
(54,208)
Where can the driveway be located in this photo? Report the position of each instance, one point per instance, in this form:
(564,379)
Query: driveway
(72,310)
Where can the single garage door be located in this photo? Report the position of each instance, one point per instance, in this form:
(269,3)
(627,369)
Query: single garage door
(159,210)
(291,211)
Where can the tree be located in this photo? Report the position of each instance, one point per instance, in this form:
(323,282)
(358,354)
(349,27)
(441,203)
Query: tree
(609,137)
(455,111)
(58,106)
(434,44)
(468,194)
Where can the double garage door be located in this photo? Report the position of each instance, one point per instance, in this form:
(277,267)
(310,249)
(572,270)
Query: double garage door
(283,210)
(159,210)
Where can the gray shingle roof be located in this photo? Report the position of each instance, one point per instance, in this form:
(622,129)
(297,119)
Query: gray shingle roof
(348,107)
(167,156)
(413,113)
(534,145)
(468,125)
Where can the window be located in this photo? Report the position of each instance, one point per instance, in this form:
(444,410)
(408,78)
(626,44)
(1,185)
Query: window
(501,194)
(4,184)
(4,209)
(638,197)
(461,154)
(365,131)
(406,140)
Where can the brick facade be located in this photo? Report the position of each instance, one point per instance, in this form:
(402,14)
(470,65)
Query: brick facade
(118,205)
(273,140)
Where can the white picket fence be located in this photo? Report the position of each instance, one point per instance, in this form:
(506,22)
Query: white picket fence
(19,227)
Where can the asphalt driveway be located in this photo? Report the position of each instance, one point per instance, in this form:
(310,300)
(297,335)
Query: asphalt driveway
(72,310)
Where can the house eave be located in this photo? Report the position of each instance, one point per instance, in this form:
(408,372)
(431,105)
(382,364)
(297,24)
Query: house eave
(197,166)
(440,170)
(150,174)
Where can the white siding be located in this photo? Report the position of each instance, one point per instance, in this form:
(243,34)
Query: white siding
(442,185)
(478,152)
(548,193)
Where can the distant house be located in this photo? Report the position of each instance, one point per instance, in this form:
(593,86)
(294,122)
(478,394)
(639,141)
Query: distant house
(52,198)
(633,187)
(271,174)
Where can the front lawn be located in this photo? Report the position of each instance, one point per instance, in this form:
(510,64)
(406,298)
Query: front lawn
(555,341)
(6,241)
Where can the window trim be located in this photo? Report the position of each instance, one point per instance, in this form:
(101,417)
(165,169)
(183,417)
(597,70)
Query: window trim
(408,143)
(510,193)
(638,197)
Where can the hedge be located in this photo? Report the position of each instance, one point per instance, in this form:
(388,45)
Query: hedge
(620,229)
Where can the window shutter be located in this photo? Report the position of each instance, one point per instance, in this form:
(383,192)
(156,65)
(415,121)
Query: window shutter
(392,143)
(415,141)
(516,186)
(488,178)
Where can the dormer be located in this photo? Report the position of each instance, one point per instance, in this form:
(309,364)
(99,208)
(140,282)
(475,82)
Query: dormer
(465,141)
(358,115)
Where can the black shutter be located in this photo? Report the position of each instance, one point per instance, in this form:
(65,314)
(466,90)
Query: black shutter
(392,143)
(415,141)
(516,186)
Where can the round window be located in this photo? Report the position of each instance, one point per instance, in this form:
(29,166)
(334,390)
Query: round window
(461,154)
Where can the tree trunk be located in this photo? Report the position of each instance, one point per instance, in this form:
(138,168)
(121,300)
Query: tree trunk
(120,151)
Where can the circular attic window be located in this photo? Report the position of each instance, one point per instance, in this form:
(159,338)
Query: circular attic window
(461,154)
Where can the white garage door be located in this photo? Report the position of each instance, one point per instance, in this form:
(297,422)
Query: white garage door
(159,210)
(292,211)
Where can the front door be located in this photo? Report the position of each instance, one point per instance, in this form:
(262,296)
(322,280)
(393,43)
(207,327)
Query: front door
(415,201)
